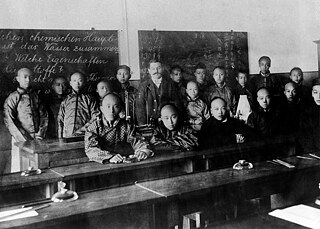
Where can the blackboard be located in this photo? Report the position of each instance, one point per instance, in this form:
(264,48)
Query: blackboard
(50,53)
(56,52)
(188,48)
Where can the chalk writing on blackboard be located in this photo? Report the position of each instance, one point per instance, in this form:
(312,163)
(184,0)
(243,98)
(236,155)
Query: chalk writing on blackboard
(56,52)
(188,48)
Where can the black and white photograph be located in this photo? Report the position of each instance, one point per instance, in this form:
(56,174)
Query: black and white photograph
(160,114)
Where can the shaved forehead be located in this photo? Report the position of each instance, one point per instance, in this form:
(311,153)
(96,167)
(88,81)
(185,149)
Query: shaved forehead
(111,98)
(218,102)
(291,85)
(24,70)
(169,108)
(263,91)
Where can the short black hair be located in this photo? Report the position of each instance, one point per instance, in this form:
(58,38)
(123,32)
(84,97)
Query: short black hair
(175,67)
(219,67)
(153,61)
(297,69)
(316,81)
(200,65)
(125,67)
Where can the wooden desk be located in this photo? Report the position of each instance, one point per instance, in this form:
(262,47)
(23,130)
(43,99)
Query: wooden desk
(16,189)
(164,199)
(233,186)
(103,202)
(50,153)
(168,164)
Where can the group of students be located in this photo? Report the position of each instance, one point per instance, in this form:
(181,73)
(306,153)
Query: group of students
(199,113)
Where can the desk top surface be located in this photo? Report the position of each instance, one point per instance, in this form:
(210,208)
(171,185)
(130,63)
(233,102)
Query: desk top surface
(87,205)
(15,180)
(49,145)
(186,184)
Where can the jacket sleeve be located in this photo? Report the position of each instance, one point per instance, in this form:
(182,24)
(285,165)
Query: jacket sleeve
(43,121)
(157,138)
(185,139)
(93,149)
(94,113)
(137,142)
(60,120)
(205,112)
(140,105)
(11,122)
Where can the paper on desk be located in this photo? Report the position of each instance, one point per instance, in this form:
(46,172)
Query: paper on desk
(24,214)
(300,214)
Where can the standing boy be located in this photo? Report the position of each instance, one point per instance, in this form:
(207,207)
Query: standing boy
(53,101)
(196,109)
(24,115)
(126,91)
(266,79)
(200,74)
(77,109)
(220,89)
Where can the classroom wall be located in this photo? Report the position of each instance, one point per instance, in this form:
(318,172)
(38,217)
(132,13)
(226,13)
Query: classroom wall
(283,29)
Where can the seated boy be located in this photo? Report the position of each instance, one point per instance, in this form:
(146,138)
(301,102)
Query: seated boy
(296,75)
(126,91)
(52,102)
(265,119)
(105,137)
(200,74)
(266,79)
(24,115)
(221,129)
(197,109)
(77,109)
(220,89)
(171,134)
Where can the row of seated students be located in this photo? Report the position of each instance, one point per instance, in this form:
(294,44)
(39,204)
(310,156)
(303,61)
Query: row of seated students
(192,115)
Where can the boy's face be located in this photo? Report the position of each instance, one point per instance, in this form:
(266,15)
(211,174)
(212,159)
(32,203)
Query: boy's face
(296,76)
(123,76)
(200,75)
(219,76)
(59,86)
(155,70)
(169,117)
(176,75)
(219,109)
(263,98)
(24,78)
(264,66)
(192,90)
(290,92)
(316,94)
(77,81)
(242,79)
(111,107)
(103,88)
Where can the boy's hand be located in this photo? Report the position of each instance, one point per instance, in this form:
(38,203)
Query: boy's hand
(143,154)
(116,159)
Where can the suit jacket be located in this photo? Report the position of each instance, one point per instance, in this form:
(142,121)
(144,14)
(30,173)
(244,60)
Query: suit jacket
(148,102)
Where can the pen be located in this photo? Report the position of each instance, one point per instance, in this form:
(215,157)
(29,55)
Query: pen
(24,210)
(305,157)
(315,156)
